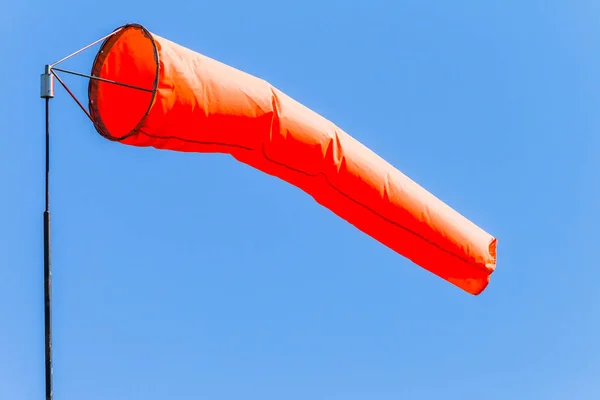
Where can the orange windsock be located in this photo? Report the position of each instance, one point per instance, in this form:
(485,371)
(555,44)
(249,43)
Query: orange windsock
(193,103)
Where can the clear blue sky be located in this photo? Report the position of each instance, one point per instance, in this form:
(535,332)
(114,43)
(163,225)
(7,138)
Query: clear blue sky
(188,276)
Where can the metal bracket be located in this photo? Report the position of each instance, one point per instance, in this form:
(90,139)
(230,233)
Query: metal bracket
(47,83)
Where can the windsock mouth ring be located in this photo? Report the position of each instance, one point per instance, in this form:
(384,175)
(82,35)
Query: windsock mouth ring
(128,57)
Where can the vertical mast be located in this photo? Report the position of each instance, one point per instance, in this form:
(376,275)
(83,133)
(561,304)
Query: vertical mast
(47,92)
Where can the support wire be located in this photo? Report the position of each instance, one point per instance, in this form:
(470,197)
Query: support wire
(85,48)
(64,85)
(66,71)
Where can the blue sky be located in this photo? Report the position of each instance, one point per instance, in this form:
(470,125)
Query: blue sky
(188,276)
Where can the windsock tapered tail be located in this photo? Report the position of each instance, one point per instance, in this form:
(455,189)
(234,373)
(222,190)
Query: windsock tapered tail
(193,103)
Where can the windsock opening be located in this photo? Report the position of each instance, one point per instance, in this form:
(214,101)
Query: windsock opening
(130,57)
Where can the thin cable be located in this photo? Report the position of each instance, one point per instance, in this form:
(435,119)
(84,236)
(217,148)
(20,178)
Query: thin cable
(86,47)
(66,71)
(73,96)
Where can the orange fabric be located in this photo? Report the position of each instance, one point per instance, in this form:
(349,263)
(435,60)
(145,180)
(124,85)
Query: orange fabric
(201,105)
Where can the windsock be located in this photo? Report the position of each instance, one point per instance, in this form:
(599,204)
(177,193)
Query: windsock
(192,103)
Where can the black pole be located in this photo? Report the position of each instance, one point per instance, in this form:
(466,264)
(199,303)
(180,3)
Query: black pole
(48,266)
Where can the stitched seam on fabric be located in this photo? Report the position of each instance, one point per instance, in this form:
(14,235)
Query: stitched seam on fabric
(463,259)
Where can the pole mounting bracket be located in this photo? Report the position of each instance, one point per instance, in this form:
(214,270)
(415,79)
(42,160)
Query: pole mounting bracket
(47,83)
